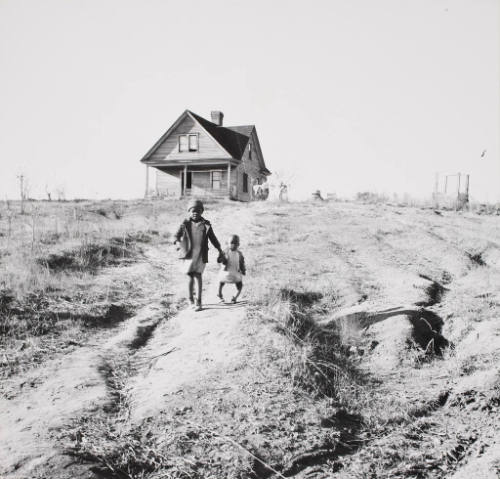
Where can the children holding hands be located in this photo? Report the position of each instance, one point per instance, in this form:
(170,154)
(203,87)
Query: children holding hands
(192,236)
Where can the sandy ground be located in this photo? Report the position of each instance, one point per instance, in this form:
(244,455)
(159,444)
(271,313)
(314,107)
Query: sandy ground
(385,262)
(194,345)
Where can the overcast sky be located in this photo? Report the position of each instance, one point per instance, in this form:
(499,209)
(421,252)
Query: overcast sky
(346,95)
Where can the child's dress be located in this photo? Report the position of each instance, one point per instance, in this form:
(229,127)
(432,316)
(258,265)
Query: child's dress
(196,264)
(230,273)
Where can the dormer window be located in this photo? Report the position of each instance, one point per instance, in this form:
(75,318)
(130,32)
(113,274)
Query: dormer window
(249,151)
(188,143)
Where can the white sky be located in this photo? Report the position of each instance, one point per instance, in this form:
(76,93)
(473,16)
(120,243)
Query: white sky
(348,95)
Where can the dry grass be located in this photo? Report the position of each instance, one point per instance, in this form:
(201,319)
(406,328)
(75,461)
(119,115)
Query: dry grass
(56,237)
(318,359)
(305,394)
(51,259)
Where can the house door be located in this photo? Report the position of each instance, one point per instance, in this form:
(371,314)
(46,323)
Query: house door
(189,180)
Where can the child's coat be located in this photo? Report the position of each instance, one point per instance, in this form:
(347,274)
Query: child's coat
(183,237)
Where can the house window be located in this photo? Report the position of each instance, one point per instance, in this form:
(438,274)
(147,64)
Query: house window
(216,180)
(188,143)
(183,143)
(250,151)
(245,183)
(193,142)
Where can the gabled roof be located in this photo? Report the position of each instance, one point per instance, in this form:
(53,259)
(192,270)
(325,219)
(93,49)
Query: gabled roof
(243,129)
(233,141)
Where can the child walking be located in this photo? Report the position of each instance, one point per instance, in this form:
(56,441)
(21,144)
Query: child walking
(232,268)
(193,235)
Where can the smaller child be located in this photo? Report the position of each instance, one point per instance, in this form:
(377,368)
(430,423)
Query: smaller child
(232,268)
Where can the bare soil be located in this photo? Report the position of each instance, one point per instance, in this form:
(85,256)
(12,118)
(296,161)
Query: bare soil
(366,344)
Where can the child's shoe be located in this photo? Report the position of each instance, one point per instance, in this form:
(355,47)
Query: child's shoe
(198,306)
(221,298)
(191,302)
(234,299)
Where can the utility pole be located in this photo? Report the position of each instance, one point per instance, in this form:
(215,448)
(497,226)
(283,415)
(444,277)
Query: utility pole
(436,191)
(21,185)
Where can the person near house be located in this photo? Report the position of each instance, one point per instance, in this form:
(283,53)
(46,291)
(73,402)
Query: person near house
(192,237)
(257,190)
(232,268)
(283,196)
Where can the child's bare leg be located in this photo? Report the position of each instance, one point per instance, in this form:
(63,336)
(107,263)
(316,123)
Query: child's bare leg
(221,285)
(191,289)
(239,287)
(199,284)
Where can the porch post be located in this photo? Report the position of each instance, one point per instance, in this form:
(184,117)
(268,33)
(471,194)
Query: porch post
(184,180)
(147,182)
(229,179)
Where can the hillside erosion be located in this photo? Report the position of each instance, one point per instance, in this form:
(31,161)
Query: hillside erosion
(366,344)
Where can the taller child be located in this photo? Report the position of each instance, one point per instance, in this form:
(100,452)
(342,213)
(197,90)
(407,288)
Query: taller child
(193,235)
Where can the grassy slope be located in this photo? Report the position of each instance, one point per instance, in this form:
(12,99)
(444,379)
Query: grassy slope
(320,389)
(420,415)
(55,288)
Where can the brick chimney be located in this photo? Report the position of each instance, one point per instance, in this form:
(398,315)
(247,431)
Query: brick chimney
(217,117)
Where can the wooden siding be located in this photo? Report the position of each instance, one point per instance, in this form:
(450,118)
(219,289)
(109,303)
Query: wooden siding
(204,179)
(252,168)
(207,147)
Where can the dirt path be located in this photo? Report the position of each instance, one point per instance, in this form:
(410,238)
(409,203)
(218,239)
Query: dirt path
(192,345)
(46,399)
(186,350)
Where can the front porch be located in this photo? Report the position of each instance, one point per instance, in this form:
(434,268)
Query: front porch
(213,180)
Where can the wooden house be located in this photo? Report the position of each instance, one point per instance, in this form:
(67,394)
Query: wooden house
(197,157)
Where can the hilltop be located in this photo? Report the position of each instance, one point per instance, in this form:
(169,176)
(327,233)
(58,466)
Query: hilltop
(366,344)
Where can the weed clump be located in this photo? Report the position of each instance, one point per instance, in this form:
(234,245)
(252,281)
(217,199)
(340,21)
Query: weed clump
(476,258)
(151,449)
(35,315)
(318,361)
(20,320)
(91,256)
(29,326)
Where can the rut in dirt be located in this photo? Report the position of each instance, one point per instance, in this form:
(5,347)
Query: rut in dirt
(116,367)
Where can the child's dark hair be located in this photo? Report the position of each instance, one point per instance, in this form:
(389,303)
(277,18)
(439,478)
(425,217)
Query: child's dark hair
(234,239)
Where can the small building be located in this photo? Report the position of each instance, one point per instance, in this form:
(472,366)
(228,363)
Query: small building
(197,157)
